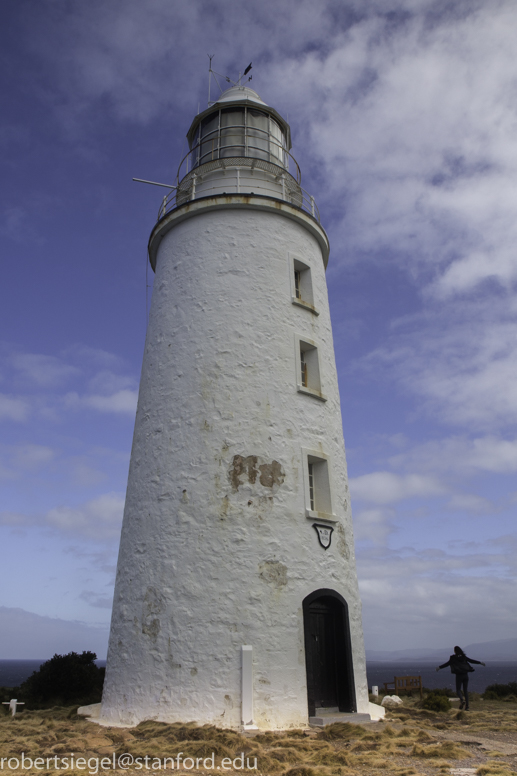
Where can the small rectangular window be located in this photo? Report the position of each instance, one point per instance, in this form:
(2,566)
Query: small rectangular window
(318,501)
(311,486)
(308,368)
(301,283)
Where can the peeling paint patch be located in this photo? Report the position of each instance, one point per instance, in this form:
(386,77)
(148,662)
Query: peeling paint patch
(242,470)
(247,469)
(271,474)
(274,572)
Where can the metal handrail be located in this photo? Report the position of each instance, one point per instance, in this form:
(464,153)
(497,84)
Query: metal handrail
(294,194)
(243,155)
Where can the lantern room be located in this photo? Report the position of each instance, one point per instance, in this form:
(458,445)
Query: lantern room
(239,124)
(240,145)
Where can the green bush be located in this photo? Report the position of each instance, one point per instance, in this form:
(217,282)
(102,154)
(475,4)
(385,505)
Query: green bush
(498,692)
(436,701)
(63,680)
(445,691)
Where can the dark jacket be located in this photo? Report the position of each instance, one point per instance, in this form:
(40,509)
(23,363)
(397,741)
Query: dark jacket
(460,664)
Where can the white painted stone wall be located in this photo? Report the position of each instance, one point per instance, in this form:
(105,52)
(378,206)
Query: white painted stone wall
(209,560)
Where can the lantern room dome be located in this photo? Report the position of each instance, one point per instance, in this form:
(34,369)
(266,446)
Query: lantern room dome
(240,93)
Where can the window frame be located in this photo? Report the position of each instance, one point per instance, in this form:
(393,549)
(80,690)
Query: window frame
(305,287)
(310,347)
(318,479)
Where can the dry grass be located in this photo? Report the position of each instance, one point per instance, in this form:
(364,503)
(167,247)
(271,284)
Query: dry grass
(412,742)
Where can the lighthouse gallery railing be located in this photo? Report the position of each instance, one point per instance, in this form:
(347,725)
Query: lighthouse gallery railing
(242,153)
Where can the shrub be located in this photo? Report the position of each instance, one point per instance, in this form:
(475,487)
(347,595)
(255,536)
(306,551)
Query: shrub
(65,679)
(497,692)
(436,701)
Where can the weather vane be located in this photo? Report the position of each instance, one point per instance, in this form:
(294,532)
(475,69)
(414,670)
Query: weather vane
(212,73)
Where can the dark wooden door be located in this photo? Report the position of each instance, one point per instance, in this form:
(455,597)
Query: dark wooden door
(321,655)
(327,655)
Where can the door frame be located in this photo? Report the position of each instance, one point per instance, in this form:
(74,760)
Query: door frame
(345,679)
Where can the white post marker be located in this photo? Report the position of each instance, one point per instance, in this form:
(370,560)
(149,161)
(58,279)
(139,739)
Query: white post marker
(247,688)
(13,703)
(375,690)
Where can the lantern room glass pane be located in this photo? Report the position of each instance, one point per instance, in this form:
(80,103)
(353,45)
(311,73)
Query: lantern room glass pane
(232,132)
(277,143)
(258,134)
(239,132)
(209,139)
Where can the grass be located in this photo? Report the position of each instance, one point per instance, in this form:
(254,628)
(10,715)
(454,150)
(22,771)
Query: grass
(409,743)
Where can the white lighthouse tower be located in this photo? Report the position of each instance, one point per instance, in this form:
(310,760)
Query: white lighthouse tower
(236,599)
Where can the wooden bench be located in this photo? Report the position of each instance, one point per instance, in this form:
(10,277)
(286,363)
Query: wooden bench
(407,683)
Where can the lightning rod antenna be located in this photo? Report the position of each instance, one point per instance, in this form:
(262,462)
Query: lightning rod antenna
(210,57)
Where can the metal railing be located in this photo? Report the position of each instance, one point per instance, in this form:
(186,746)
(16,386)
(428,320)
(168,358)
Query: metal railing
(186,189)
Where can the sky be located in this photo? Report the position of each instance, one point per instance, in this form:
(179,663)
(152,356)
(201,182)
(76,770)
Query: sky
(404,123)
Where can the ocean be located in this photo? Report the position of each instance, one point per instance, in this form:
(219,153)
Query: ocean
(14,672)
(492,673)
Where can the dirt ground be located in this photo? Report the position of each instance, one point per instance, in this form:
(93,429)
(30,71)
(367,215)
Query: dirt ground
(409,741)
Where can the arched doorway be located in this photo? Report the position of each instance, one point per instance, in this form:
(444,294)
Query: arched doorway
(328,652)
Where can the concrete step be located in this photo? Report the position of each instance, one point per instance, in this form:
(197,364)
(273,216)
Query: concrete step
(320,720)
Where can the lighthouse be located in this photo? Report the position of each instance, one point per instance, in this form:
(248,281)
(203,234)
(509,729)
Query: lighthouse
(236,597)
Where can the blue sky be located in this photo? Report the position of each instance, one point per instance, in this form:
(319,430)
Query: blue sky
(403,117)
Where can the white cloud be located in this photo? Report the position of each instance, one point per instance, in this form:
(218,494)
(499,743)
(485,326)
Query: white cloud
(31,456)
(13,408)
(93,358)
(461,455)
(460,363)
(372,525)
(469,502)
(415,127)
(43,370)
(95,600)
(123,402)
(387,488)
(98,519)
(108,382)
(435,597)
